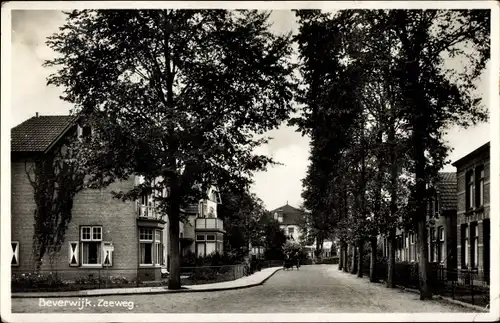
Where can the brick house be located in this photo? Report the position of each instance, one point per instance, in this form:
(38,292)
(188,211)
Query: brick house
(203,232)
(124,238)
(473,210)
(290,220)
(441,234)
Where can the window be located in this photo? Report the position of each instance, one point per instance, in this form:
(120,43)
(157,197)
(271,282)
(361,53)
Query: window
(84,132)
(207,244)
(158,247)
(406,249)
(291,230)
(146,246)
(469,191)
(15,253)
(441,251)
(210,248)
(200,247)
(479,186)
(203,209)
(465,246)
(91,238)
(432,244)
(412,247)
(436,201)
(474,245)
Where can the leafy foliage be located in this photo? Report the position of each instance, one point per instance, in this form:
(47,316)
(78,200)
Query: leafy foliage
(378,98)
(56,178)
(174,96)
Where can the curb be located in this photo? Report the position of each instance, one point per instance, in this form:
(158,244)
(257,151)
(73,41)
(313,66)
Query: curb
(151,292)
(449,300)
(470,306)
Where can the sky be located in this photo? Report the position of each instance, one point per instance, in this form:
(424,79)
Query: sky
(277,186)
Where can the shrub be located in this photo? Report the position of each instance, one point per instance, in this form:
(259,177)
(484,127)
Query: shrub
(214,259)
(36,280)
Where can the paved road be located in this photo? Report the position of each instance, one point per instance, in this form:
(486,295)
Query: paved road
(319,288)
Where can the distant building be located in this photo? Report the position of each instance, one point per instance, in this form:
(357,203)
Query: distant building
(290,220)
(441,235)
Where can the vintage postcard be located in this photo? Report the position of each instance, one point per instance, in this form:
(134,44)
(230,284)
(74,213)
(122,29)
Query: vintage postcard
(250,161)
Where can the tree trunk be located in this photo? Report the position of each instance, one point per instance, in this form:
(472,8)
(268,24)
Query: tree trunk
(360,260)
(353,260)
(420,212)
(174,278)
(346,258)
(341,256)
(373,260)
(391,262)
(423,261)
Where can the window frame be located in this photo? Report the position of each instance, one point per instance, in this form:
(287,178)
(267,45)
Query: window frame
(441,243)
(474,239)
(479,186)
(92,240)
(469,190)
(465,246)
(158,246)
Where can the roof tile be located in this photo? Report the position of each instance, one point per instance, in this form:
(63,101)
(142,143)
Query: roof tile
(38,133)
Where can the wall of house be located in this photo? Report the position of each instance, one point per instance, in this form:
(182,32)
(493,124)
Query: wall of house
(91,207)
(296,230)
(477,215)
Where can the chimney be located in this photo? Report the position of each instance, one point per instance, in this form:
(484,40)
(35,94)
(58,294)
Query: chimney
(36,115)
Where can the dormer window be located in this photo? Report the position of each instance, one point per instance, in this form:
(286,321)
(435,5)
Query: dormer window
(84,132)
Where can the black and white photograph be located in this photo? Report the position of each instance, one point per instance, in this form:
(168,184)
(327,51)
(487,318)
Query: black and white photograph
(250,161)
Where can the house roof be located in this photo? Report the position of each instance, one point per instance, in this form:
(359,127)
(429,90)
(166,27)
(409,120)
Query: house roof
(485,147)
(291,215)
(447,188)
(38,134)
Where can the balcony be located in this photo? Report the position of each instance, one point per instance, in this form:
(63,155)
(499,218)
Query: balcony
(148,216)
(209,224)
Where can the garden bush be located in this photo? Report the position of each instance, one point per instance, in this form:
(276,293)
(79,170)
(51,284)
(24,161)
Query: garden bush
(35,280)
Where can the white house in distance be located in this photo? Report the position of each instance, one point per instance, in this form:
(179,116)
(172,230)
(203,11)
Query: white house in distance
(290,219)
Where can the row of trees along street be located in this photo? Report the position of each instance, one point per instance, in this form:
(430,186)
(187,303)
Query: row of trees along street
(378,98)
(183,97)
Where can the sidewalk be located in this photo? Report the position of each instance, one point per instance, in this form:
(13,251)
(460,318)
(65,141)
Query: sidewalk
(414,291)
(255,279)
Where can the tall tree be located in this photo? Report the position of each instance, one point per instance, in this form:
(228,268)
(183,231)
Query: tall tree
(435,95)
(174,96)
(242,213)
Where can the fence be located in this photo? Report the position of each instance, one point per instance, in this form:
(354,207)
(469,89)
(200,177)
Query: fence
(464,285)
(211,274)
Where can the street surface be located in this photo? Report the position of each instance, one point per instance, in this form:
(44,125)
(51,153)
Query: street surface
(318,288)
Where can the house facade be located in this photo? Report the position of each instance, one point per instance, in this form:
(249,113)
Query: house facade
(473,231)
(203,232)
(290,220)
(441,235)
(105,235)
